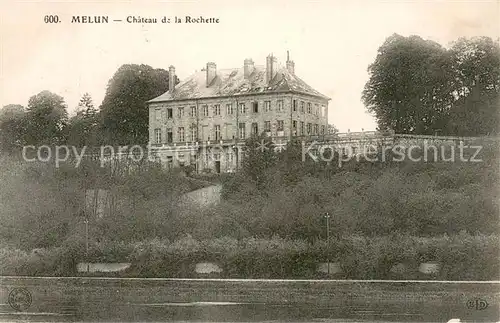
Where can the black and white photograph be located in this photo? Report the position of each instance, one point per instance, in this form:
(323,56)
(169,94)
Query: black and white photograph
(264,161)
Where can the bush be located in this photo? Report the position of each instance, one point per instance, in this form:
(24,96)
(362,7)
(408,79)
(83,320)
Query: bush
(462,257)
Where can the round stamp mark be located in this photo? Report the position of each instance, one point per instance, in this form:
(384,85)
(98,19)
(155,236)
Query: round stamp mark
(20,299)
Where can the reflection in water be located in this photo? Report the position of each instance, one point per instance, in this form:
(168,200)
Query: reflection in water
(272,312)
(76,310)
(85,299)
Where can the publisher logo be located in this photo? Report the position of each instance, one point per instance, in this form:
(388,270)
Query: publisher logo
(477,304)
(20,299)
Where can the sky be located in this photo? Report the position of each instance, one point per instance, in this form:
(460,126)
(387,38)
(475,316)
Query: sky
(332,42)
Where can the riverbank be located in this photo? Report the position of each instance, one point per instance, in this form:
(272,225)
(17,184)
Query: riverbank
(459,257)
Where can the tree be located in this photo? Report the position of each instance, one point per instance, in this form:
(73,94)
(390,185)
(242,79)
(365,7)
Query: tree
(11,127)
(86,107)
(124,114)
(417,86)
(258,158)
(476,71)
(332,129)
(46,119)
(409,85)
(82,128)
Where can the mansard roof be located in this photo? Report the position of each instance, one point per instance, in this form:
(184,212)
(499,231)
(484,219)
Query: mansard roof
(231,82)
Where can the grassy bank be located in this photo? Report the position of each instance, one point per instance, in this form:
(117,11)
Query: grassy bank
(461,257)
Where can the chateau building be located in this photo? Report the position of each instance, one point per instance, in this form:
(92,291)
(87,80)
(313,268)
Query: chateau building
(203,120)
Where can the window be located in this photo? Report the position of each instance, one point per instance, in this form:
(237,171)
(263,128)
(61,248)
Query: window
(316,127)
(309,107)
(316,109)
(193,111)
(267,106)
(255,107)
(194,132)
(241,128)
(243,108)
(229,109)
(170,162)
(294,105)
(309,128)
(267,126)
(158,136)
(170,113)
(216,109)
(230,156)
(322,129)
(181,134)
(325,111)
(217,132)
(294,127)
(158,114)
(181,112)
(229,131)
(255,129)
(170,137)
(205,110)
(280,105)
(302,128)
(204,133)
(302,106)
(280,125)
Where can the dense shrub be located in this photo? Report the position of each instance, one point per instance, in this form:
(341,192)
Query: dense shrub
(290,196)
(269,225)
(42,205)
(461,257)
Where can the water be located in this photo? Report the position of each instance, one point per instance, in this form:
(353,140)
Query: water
(211,300)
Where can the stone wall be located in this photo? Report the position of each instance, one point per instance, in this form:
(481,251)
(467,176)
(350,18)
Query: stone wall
(225,154)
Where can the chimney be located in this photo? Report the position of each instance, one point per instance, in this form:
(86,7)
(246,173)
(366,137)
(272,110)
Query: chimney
(211,72)
(290,65)
(270,68)
(248,67)
(171,79)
